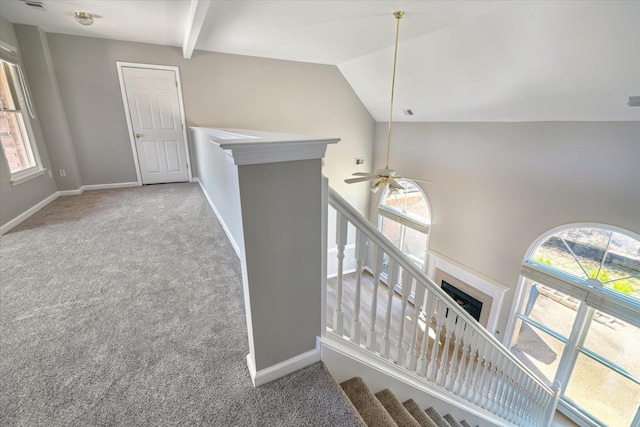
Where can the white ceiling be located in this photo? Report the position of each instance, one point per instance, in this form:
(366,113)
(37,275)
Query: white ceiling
(458,60)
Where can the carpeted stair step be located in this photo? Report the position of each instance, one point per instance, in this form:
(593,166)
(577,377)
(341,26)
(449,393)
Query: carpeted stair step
(465,424)
(437,418)
(451,420)
(421,417)
(400,415)
(368,406)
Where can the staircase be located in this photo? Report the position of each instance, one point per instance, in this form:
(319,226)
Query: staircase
(383,409)
(432,343)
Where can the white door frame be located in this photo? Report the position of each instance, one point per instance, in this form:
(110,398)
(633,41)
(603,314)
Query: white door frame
(132,139)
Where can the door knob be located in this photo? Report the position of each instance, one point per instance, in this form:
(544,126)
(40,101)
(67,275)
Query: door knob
(138,135)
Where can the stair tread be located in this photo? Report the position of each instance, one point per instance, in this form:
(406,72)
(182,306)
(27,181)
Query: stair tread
(368,406)
(465,424)
(436,417)
(452,420)
(420,416)
(400,415)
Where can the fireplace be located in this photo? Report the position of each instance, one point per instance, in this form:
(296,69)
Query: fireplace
(466,301)
(480,289)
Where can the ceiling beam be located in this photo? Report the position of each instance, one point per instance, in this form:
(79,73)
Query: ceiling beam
(195,20)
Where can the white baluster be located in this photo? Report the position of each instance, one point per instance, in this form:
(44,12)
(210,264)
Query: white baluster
(414,353)
(406,291)
(478,370)
(469,375)
(520,397)
(511,393)
(341,242)
(495,380)
(435,348)
(487,377)
(536,406)
(392,279)
(453,370)
(465,358)
(503,367)
(361,248)
(423,361)
(378,256)
(444,369)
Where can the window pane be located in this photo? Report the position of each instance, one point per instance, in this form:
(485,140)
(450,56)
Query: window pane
(409,201)
(607,395)
(621,270)
(552,308)
(616,341)
(415,244)
(391,230)
(16,151)
(554,252)
(538,350)
(13,136)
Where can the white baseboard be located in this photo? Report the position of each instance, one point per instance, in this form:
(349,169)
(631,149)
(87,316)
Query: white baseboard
(70,192)
(220,220)
(108,186)
(281,369)
(26,214)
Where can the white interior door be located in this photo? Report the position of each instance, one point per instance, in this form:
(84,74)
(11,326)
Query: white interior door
(154,109)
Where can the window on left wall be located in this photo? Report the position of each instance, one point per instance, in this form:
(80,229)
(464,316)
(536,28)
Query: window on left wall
(18,143)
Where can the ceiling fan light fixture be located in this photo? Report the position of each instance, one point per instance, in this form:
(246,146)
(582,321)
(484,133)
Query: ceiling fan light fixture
(84,18)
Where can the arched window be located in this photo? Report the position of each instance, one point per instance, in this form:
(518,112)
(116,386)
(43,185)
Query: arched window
(576,320)
(404,218)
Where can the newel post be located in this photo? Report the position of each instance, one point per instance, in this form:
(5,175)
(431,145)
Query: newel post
(557,389)
(281,196)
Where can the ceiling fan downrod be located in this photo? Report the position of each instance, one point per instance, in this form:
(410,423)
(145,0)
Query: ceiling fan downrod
(398,15)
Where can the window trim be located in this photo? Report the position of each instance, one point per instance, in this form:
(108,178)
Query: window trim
(26,114)
(387,212)
(591,298)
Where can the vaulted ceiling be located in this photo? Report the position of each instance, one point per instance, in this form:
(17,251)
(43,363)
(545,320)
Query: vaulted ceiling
(457,60)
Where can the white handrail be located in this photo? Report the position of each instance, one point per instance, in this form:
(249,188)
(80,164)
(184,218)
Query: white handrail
(338,202)
(489,378)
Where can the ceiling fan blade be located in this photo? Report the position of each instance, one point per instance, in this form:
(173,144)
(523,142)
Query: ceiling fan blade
(363,174)
(377,186)
(398,176)
(395,184)
(359,179)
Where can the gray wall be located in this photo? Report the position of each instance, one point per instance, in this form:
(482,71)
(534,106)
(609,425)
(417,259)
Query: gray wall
(281,203)
(219,90)
(16,200)
(499,186)
(47,98)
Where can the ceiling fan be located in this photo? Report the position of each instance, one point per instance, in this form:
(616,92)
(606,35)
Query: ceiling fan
(386,177)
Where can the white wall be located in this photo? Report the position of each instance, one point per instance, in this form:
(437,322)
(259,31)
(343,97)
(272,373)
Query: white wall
(498,186)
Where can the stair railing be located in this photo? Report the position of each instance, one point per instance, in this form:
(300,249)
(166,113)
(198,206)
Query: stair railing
(461,357)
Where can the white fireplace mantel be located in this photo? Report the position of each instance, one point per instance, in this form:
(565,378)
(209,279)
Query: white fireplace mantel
(494,290)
